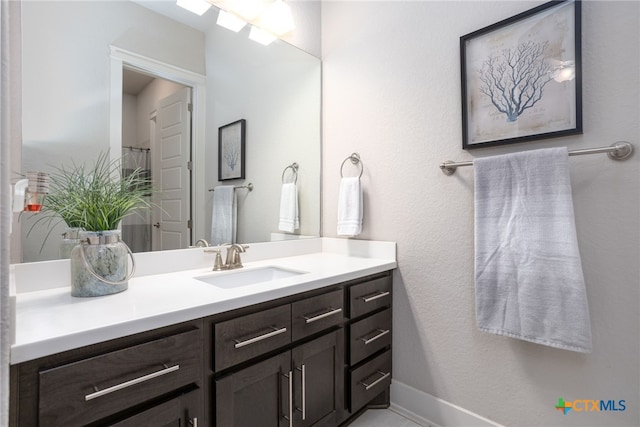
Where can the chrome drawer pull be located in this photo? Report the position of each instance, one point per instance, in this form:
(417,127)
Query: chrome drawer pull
(331,312)
(382,333)
(98,393)
(384,376)
(275,332)
(374,296)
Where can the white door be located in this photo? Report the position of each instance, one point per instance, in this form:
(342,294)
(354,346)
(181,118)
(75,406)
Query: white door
(171,172)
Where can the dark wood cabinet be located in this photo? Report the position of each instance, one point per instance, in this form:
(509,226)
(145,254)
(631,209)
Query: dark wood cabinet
(180,411)
(318,372)
(369,336)
(310,359)
(255,396)
(142,380)
(299,387)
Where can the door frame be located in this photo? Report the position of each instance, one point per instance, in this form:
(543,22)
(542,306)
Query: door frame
(118,59)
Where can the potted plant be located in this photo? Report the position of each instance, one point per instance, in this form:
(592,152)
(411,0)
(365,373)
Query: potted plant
(94,200)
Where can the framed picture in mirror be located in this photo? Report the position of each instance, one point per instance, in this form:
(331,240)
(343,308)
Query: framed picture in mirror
(521,77)
(231,146)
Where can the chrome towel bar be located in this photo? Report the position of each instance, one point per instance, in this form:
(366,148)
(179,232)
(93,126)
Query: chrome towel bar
(617,151)
(249,187)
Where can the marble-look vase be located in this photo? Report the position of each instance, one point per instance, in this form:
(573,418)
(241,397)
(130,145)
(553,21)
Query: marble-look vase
(70,238)
(106,256)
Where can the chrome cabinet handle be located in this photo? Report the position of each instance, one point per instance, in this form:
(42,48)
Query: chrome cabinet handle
(331,311)
(98,393)
(275,332)
(368,386)
(290,417)
(303,370)
(382,333)
(193,422)
(374,297)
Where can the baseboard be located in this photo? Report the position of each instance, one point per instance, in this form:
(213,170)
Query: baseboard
(428,410)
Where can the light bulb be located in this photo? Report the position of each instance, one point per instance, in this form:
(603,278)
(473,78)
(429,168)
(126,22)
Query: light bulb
(261,36)
(198,7)
(277,18)
(230,21)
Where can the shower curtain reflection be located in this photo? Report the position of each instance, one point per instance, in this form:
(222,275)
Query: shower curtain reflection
(136,228)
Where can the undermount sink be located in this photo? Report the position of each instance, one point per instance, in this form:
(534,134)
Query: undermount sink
(236,278)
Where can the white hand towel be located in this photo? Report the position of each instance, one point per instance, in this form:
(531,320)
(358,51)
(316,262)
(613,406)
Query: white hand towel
(528,273)
(224,215)
(350,207)
(289,219)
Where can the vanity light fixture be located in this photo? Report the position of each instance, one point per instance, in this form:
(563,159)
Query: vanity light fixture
(230,21)
(277,18)
(269,19)
(199,7)
(261,36)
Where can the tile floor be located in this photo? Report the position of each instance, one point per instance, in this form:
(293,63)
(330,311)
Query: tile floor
(382,418)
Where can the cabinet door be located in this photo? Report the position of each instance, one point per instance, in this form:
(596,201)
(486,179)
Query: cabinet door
(181,411)
(256,396)
(318,374)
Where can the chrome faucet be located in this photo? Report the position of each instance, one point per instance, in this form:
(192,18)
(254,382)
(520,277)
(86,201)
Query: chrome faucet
(201,243)
(233,255)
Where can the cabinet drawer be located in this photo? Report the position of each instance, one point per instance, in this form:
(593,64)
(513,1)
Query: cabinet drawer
(369,335)
(317,313)
(370,380)
(178,412)
(246,337)
(88,390)
(368,296)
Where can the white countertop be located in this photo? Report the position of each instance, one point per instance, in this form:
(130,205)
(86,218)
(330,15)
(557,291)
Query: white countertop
(50,320)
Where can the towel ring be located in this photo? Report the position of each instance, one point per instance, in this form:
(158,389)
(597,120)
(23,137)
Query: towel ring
(355,159)
(294,167)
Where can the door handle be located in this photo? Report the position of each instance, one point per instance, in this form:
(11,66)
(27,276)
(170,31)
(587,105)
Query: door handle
(156,225)
(289,378)
(303,371)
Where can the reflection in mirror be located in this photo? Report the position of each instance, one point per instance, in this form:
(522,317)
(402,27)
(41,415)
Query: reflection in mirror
(71,112)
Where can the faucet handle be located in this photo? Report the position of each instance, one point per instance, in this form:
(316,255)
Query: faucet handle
(217,264)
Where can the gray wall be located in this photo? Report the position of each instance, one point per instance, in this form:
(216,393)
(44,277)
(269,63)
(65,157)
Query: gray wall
(392,93)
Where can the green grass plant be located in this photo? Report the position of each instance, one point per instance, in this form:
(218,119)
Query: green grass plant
(96,198)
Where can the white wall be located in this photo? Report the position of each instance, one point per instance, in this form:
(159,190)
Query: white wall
(391,82)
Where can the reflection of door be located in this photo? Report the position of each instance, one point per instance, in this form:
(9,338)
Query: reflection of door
(171,159)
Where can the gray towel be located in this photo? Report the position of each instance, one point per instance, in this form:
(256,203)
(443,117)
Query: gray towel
(224,215)
(529,281)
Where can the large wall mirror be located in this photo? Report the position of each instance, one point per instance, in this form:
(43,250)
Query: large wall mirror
(96,77)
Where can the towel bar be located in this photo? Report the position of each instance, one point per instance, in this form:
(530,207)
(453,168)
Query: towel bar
(249,187)
(617,151)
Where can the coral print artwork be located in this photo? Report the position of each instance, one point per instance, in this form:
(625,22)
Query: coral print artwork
(521,77)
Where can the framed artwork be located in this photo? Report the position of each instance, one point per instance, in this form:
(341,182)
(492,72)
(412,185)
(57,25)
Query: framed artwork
(231,146)
(521,77)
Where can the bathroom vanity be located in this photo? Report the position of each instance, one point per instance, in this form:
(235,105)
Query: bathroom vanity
(311,348)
